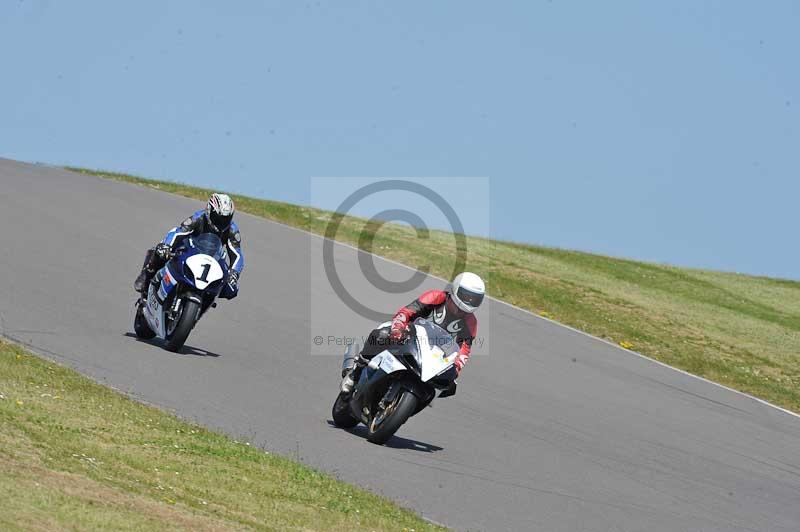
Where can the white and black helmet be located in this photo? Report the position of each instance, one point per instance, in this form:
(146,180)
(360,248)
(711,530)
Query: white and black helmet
(219,212)
(468,291)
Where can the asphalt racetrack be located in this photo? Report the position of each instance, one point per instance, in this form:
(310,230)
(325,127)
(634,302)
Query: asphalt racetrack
(551,430)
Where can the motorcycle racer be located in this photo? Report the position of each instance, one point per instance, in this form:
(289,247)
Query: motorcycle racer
(216,218)
(452,309)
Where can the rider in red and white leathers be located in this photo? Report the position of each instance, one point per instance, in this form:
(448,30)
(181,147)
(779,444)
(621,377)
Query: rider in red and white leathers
(452,310)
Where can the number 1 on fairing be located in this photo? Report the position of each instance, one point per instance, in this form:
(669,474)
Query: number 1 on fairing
(204,276)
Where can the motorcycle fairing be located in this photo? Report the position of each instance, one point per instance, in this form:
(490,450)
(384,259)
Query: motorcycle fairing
(160,289)
(434,357)
(200,266)
(433,360)
(206,270)
(379,368)
(154,310)
(167,283)
(386,362)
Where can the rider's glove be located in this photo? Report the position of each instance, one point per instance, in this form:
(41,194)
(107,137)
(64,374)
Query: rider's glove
(399,328)
(460,362)
(163,251)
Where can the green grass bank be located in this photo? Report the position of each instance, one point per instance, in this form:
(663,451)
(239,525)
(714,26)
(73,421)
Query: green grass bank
(75,455)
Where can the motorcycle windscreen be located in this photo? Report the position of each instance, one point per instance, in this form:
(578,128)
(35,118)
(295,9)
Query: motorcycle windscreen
(208,244)
(437,349)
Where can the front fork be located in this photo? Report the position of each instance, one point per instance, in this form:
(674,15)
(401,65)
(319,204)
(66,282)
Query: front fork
(390,395)
(365,400)
(175,308)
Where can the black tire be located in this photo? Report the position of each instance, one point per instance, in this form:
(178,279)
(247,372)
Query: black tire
(404,407)
(341,413)
(140,326)
(184,326)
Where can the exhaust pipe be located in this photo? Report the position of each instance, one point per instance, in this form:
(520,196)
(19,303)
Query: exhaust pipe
(350,355)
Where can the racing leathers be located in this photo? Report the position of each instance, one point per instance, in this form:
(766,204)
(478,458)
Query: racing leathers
(196,224)
(436,305)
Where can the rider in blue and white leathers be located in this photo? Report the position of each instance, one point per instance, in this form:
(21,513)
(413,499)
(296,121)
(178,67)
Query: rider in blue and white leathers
(216,218)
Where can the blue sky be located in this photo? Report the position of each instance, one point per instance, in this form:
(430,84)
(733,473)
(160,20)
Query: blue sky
(661,131)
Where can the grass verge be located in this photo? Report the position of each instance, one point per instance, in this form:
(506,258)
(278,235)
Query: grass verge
(741,331)
(76,455)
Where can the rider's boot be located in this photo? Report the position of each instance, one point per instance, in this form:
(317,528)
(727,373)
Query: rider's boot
(351,377)
(147,272)
(377,341)
(141,280)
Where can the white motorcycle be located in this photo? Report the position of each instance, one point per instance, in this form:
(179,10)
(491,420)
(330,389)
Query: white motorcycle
(399,381)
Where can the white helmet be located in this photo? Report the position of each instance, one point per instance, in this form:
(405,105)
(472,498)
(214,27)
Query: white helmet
(219,212)
(468,291)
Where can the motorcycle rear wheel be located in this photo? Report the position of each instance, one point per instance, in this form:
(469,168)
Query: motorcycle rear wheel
(185,324)
(341,414)
(140,326)
(385,422)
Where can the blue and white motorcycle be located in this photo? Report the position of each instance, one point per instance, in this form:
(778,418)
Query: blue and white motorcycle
(182,291)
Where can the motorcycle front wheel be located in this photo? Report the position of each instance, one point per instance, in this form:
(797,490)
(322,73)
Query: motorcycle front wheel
(386,421)
(185,324)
